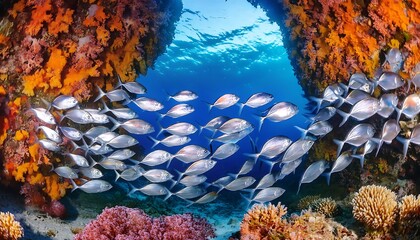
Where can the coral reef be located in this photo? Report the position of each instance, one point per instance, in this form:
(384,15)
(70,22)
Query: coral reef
(326,206)
(49,48)
(269,222)
(126,223)
(9,228)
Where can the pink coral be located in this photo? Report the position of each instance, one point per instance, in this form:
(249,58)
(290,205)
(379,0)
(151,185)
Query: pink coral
(125,223)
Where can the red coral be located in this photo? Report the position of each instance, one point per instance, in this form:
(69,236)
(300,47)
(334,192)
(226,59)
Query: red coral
(30,57)
(123,223)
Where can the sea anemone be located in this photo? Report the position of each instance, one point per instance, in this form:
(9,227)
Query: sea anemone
(376,207)
(326,206)
(9,228)
(409,213)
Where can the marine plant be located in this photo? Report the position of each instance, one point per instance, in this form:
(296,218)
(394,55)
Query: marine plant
(49,48)
(126,223)
(10,229)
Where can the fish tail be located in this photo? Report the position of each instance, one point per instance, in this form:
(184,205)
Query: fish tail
(160,116)
(270,164)
(406,143)
(115,122)
(74,185)
(260,123)
(318,102)
(173,183)
(340,102)
(119,83)
(61,116)
(248,200)
(133,189)
(155,141)
(47,104)
(399,111)
(189,202)
(380,142)
(161,129)
(180,175)
(169,95)
(100,93)
(117,175)
(168,195)
(105,107)
(344,115)
(241,107)
(328,177)
(302,131)
(340,145)
(254,156)
(361,157)
(298,190)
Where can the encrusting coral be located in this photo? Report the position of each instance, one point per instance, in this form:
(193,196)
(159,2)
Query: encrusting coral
(9,228)
(49,48)
(376,207)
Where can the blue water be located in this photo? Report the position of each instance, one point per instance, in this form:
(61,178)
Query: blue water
(224,47)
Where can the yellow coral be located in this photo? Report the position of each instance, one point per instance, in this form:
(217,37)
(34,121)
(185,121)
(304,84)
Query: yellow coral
(39,15)
(376,207)
(326,206)
(21,135)
(409,214)
(9,228)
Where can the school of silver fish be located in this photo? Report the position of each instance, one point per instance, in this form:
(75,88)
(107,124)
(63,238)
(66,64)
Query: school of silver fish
(101,147)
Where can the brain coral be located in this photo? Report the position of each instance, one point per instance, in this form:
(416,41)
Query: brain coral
(9,228)
(376,207)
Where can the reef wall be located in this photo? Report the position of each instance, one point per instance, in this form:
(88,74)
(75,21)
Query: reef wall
(48,48)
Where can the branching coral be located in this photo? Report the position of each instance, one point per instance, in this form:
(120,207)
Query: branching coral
(9,228)
(326,206)
(124,223)
(409,215)
(376,207)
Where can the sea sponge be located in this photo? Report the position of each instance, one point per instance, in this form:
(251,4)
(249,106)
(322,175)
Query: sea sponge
(409,214)
(326,206)
(376,207)
(9,228)
(262,221)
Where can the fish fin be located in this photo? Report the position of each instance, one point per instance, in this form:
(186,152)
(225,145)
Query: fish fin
(344,115)
(61,116)
(361,157)
(399,111)
(317,101)
(260,123)
(119,83)
(133,189)
(161,129)
(168,195)
(180,175)
(328,177)
(74,185)
(47,104)
(280,176)
(105,107)
(169,95)
(241,107)
(248,200)
(116,123)
(302,131)
(200,128)
(270,163)
(155,141)
(101,93)
(117,175)
(209,139)
(160,116)
(340,145)
(406,143)
(340,102)
(379,142)
(209,105)
(189,202)
(298,190)
(254,156)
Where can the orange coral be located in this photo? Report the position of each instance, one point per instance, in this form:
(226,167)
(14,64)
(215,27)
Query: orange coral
(61,22)
(39,16)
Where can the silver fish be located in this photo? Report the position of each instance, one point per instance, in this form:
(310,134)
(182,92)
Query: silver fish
(268,194)
(153,189)
(78,116)
(390,130)
(225,101)
(414,138)
(324,114)
(71,133)
(240,183)
(340,164)
(410,107)
(235,125)
(256,100)
(267,181)
(191,153)
(233,137)
(122,154)
(97,149)
(313,172)
(190,192)
(50,134)
(130,174)
(224,151)
(96,131)
(133,126)
(93,186)
(157,175)
(122,141)
(394,58)
(105,137)
(180,129)
(246,168)
(297,150)
(64,102)
(50,145)
(171,141)
(370,145)
(330,95)
(121,113)
(179,110)
(184,96)
(222,182)
(215,123)
(43,115)
(97,116)
(112,164)
(91,172)
(78,160)
(387,104)
(273,147)
(148,104)
(390,81)
(199,167)
(157,157)
(132,87)
(362,110)
(206,198)
(357,136)
(193,180)
(320,128)
(280,112)
(66,172)
(115,95)
(353,97)
(357,80)
(288,168)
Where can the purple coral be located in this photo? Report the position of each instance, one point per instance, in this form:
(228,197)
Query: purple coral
(133,224)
